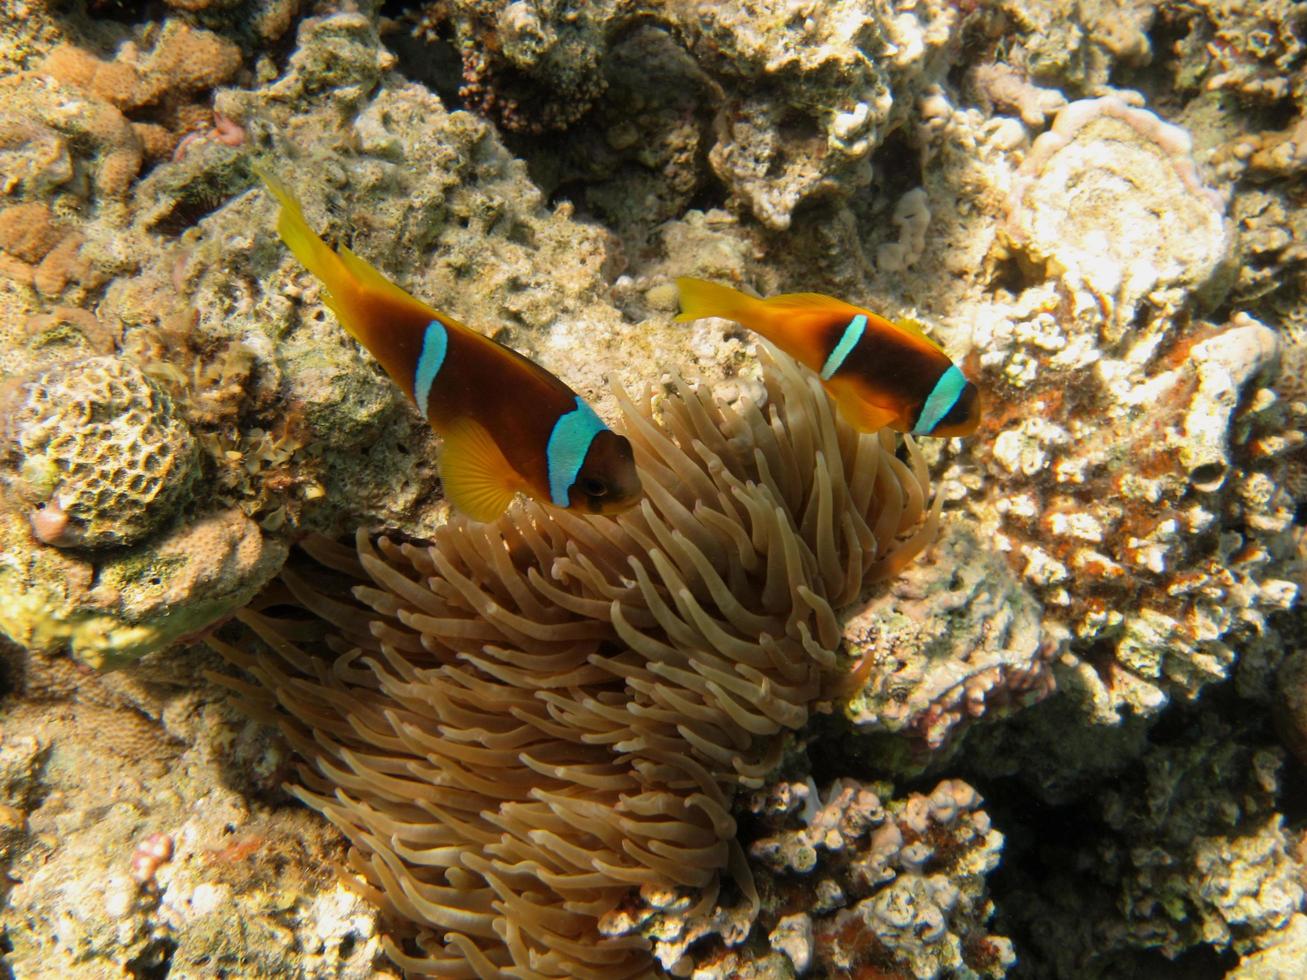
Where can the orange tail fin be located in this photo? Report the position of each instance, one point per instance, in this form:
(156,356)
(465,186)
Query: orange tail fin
(701,298)
(353,286)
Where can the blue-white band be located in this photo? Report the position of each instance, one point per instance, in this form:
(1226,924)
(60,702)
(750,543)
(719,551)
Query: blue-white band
(568,445)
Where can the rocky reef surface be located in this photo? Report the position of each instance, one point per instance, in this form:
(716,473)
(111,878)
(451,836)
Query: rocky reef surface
(1074,739)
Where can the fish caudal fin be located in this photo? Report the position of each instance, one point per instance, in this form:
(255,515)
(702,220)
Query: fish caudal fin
(477,478)
(353,286)
(315,254)
(700,298)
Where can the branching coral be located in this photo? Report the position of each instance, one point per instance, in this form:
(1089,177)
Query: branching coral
(527,721)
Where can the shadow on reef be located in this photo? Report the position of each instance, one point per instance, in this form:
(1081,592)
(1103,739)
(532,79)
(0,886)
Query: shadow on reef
(1132,874)
(623,135)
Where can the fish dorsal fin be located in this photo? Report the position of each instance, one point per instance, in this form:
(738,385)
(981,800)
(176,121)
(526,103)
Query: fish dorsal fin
(478,479)
(813,301)
(914,329)
(820,301)
(369,279)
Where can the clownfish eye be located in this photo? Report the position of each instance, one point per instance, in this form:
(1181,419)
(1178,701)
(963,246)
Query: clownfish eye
(593,488)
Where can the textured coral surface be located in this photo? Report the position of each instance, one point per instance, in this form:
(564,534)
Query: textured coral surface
(1068,741)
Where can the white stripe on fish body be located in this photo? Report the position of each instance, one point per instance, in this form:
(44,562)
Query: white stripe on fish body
(852,334)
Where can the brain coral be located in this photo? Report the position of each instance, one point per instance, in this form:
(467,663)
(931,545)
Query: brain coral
(100,451)
(527,721)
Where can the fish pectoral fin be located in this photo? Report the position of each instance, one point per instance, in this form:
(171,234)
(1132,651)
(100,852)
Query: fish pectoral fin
(478,479)
(873,418)
(864,414)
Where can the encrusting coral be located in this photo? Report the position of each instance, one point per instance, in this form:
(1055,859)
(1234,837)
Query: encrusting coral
(893,888)
(1102,160)
(527,721)
(949,642)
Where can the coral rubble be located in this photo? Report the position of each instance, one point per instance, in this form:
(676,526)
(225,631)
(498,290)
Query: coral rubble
(125,845)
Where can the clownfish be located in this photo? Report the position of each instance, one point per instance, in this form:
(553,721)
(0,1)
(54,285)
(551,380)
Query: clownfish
(509,425)
(880,373)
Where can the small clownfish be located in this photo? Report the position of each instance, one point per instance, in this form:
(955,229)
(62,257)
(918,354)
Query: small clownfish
(880,373)
(508,424)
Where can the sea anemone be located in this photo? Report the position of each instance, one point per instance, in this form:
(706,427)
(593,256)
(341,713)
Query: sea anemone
(523,723)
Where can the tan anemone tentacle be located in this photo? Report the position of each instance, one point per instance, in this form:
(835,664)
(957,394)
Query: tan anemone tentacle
(519,725)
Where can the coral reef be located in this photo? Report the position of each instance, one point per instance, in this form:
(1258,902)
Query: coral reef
(532,718)
(1096,208)
(1111,195)
(107,610)
(955,637)
(126,851)
(1129,471)
(788,101)
(183,62)
(1291,703)
(1187,848)
(1157,533)
(282,411)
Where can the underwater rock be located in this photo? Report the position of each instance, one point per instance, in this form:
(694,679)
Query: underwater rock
(1291,703)
(181,584)
(1161,536)
(1244,48)
(183,61)
(1001,86)
(98,451)
(1188,848)
(956,638)
(121,605)
(798,95)
(1112,197)
(1281,961)
(133,854)
(650,162)
(912,217)
(804,105)
(51,134)
(1079,52)
(1271,232)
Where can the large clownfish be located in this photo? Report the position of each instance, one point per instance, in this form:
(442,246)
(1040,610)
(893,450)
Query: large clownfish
(880,373)
(508,424)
